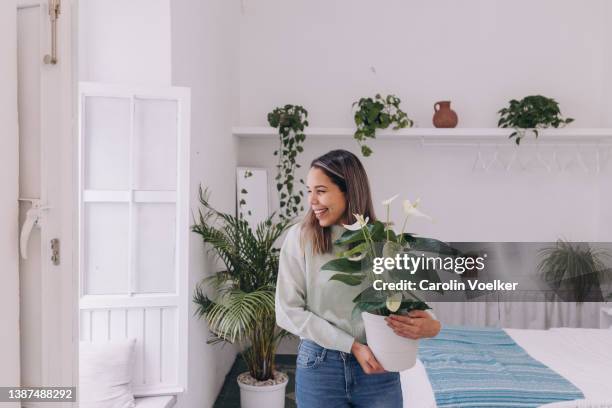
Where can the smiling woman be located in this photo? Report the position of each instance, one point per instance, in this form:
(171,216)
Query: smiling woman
(318,310)
(326,199)
(338,188)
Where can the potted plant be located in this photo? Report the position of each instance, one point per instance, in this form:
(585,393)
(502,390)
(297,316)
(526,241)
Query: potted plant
(575,269)
(377,113)
(240,307)
(531,113)
(367,241)
(290,120)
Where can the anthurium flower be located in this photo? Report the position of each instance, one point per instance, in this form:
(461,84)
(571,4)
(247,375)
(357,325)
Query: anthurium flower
(359,224)
(358,257)
(411,209)
(389,200)
(394,302)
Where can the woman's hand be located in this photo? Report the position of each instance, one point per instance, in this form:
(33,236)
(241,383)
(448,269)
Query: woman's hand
(415,325)
(366,359)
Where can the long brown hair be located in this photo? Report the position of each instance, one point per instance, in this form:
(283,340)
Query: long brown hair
(346,171)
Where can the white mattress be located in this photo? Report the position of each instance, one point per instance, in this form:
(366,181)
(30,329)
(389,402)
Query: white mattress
(582,356)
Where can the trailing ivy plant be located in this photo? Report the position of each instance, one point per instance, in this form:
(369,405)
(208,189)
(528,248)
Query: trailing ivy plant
(531,113)
(377,113)
(243,192)
(290,120)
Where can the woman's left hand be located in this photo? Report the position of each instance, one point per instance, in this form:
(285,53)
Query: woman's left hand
(415,325)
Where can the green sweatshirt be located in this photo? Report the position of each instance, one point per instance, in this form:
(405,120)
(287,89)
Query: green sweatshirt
(308,304)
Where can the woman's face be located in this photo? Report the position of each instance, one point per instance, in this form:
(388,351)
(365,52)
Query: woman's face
(325,198)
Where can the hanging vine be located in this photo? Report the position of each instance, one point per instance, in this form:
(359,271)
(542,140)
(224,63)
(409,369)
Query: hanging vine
(290,120)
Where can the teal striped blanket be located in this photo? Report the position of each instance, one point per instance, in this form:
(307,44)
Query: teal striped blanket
(484,367)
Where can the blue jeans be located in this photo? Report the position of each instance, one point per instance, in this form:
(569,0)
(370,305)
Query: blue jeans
(328,379)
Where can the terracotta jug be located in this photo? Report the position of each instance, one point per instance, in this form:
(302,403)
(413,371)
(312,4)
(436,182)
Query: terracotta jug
(444,116)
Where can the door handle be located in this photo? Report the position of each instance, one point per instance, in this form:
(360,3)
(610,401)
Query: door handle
(32,219)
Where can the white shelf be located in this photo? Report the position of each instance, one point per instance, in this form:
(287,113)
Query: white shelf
(444,136)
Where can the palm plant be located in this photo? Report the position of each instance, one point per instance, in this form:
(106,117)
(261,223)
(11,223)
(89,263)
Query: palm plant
(576,268)
(240,309)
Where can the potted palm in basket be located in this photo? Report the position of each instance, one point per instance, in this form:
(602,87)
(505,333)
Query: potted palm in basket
(238,301)
(367,241)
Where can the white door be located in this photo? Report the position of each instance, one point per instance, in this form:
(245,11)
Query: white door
(46,180)
(9,273)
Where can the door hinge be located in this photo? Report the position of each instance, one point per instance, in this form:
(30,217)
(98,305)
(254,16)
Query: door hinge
(55,251)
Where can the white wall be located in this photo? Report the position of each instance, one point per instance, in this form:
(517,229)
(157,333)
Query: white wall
(605,209)
(477,53)
(204,58)
(466,205)
(125,41)
(9,170)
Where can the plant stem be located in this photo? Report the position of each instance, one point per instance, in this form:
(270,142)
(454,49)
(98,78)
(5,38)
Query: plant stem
(387,226)
(401,238)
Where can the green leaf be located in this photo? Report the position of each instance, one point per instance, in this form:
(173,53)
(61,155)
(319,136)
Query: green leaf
(358,249)
(376,230)
(349,237)
(366,151)
(433,245)
(352,280)
(342,265)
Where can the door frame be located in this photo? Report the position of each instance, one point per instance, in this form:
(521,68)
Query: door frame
(59,293)
(9,281)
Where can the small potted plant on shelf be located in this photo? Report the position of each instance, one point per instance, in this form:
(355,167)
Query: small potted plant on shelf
(377,113)
(531,113)
(240,307)
(367,241)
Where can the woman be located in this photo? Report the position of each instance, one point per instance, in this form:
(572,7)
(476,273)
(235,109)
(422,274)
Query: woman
(335,367)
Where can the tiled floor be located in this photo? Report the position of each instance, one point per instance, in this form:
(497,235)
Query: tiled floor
(229,397)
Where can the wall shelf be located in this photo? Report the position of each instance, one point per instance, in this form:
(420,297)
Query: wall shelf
(462,136)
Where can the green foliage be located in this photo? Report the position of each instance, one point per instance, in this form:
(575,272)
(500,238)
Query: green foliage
(532,112)
(241,307)
(377,113)
(290,120)
(577,268)
(374,240)
(242,196)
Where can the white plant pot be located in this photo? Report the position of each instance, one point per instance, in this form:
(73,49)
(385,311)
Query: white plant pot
(259,396)
(393,352)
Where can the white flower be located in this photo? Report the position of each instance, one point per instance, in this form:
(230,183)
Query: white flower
(358,257)
(359,224)
(394,302)
(389,200)
(411,210)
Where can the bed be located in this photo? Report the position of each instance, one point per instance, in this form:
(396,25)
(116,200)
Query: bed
(582,357)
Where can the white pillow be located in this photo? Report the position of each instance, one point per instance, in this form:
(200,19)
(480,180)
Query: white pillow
(105,374)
